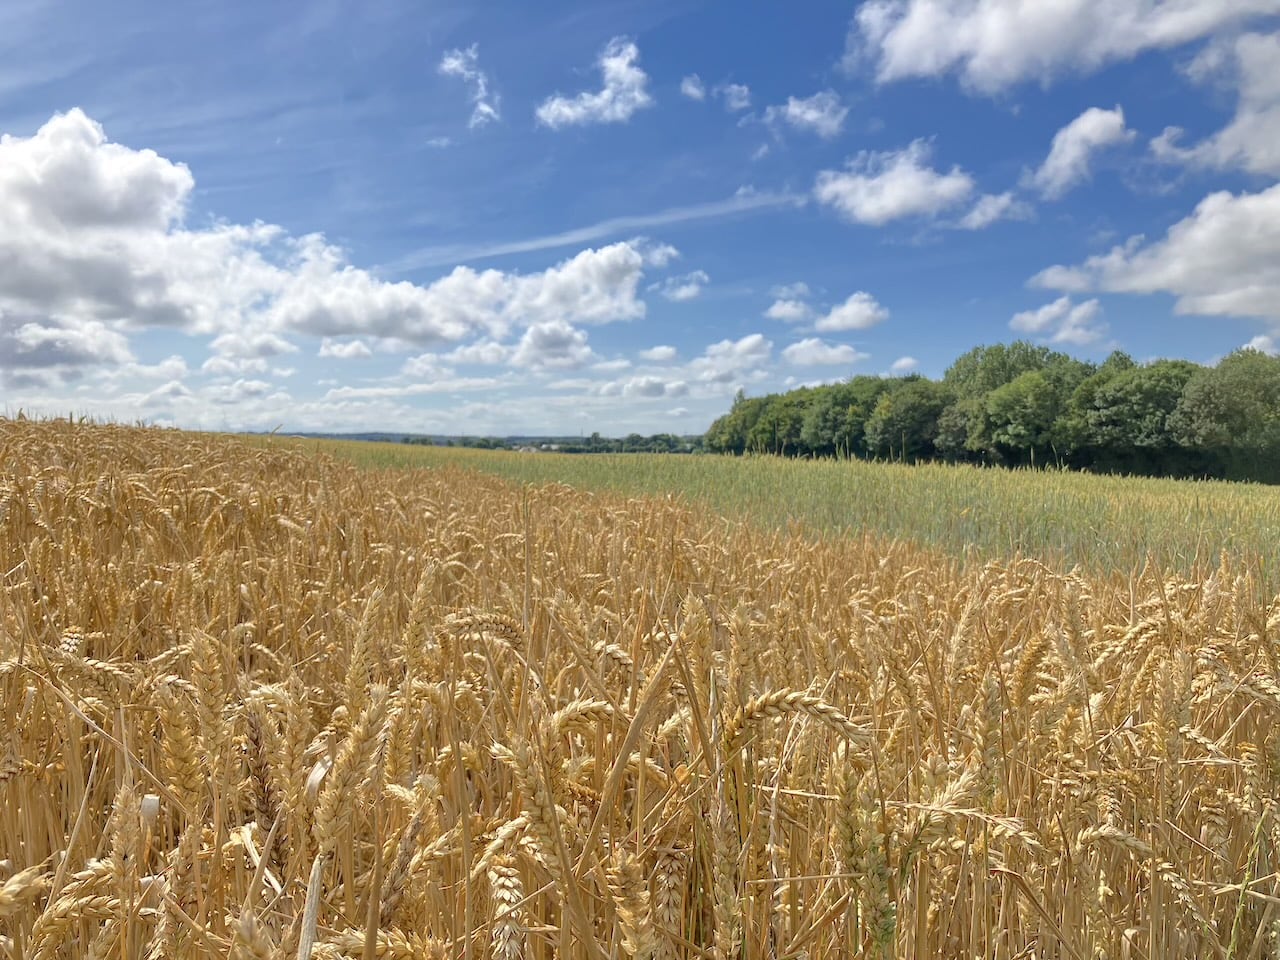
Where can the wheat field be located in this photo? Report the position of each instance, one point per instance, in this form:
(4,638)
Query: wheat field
(263,704)
(1101,523)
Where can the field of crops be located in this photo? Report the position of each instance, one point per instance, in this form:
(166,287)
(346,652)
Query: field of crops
(1102,523)
(260,703)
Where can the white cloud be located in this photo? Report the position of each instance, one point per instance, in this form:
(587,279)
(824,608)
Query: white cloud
(683,288)
(243,351)
(659,354)
(612,366)
(646,387)
(880,187)
(813,352)
(59,347)
(94,248)
(1252,140)
(655,254)
(1063,321)
(621,96)
(693,87)
(858,312)
(220,366)
(344,350)
(238,392)
(822,113)
(903,365)
(170,368)
(730,360)
(1265,344)
(594,286)
(553,344)
(484,352)
(991,208)
(792,291)
(736,96)
(1074,145)
(249,344)
(789,311)
(425,388)
(426,366)
(1221,260)
(465,64)
(744,200)
(166,393)
(995,44)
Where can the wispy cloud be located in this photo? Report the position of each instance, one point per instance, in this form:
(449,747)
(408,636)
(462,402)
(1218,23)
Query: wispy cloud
(465,64)
(740,203)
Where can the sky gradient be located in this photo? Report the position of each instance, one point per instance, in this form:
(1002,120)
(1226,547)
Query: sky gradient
(508,218)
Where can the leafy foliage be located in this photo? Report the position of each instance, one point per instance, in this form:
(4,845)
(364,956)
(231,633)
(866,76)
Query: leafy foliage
(1020,404)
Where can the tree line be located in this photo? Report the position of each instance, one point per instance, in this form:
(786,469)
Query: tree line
(1020,404)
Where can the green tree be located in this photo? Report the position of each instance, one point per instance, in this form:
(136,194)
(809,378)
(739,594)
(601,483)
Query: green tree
(1230,416)
(1024,417)
(904,423)
(777,429)
(1073,431)
(967,430)
(1128,420)
(729,433)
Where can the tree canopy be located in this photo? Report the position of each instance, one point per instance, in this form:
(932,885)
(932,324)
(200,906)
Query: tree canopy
(1021,404)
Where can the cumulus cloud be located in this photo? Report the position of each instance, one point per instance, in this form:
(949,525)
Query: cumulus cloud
(1063,321)
(484,352)
(94,247)
(814,352)
(682,288)
(645,388)
(878,187)
(465,64)
(729,360)
(693,87)
(903,365)
(1074,146)
(1221,260)
(167,393)
(252,344)
(553,344)
(659,354)
(822,113)
(995,44)
(426,366)
(324,298)
(1251,141)
(991,208)
(789,311)
(238,392)
(622,94)
(61,348)
(736,96)
(344,350)
(859,311)
(170,368)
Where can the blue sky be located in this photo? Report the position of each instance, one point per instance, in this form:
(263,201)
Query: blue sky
(565,218)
